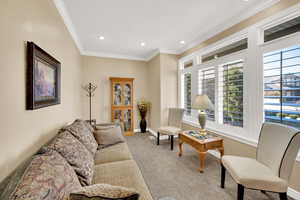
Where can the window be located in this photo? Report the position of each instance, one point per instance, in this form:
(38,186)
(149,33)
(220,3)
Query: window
(188,64)
(281,30)
(187,82)
(231,93)
(207,80)
(232,48)
(282,86)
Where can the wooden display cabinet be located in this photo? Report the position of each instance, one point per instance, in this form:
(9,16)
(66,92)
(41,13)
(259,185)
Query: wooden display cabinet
(122,102)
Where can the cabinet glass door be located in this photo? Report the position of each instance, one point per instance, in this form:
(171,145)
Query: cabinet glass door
(117,115)
(117,94)
(127,119)
(127,91)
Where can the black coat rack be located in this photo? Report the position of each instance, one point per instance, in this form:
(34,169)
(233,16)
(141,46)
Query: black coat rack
(90,89)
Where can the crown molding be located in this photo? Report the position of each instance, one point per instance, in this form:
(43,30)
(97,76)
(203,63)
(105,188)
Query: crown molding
(223,26)
(61,7)
(112,55)
(152,55)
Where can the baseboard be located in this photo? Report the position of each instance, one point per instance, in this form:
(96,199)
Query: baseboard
(291,192)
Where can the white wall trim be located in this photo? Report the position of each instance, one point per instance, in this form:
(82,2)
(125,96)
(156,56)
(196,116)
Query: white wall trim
(223,26)
(60,6)
(152,55)
(111,55)
(226,25)
(293,193)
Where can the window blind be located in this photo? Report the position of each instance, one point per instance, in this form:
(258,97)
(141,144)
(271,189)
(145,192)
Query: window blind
(231,93)
(282,86)
(207,79)
(187,93)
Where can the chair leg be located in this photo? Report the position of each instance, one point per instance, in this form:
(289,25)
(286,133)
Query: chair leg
(223,174)
(158,134)
(240,194)
(172,142)
(283,196)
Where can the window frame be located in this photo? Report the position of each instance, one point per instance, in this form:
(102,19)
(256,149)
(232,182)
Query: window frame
(253,97)
(278,45)
(218,62)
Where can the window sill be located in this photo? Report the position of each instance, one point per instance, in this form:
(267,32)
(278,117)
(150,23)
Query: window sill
(230,135)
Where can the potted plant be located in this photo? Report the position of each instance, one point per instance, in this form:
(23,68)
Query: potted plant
(143,107)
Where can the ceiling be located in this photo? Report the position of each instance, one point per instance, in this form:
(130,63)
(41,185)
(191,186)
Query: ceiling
(160,24)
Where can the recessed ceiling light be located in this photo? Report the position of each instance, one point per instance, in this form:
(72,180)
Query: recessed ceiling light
(101,38)
(245,0)
(143,44)
(182,42)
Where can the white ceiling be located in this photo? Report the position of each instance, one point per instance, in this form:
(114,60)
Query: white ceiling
(161,24)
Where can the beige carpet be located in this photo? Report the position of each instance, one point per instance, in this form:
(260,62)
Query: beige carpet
(171,177)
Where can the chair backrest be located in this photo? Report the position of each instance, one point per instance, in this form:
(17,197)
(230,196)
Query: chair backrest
(278,147)
(175,117)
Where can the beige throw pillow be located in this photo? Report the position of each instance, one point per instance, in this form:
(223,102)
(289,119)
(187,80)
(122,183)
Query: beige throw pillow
(107,136)
(104,191)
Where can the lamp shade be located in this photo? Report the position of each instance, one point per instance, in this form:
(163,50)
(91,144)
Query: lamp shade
(202,102)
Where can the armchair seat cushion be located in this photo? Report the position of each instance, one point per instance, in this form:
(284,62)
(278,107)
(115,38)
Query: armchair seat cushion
(252,174)
(169,130)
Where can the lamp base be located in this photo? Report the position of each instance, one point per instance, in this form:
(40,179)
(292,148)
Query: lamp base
(203,132)
(202,122)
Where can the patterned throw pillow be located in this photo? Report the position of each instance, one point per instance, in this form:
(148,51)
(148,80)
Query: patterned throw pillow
(84,135)
(76,155)
(48,177)
(104,191)
(88,125)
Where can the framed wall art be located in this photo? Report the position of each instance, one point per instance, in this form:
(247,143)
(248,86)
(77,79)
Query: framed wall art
(43,78)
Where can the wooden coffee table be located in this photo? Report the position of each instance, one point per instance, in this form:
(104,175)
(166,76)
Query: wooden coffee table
(201,145)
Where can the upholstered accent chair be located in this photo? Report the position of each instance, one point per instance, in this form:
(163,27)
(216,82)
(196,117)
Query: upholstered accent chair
(174,125)
(277,150)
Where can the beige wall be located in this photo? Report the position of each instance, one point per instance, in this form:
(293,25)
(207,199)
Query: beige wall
(23,132)
(233,147)
(98,70)
(169,73)
(281,5)
(162,77)
(154,91)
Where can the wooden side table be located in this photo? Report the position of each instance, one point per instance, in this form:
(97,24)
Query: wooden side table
(201,145)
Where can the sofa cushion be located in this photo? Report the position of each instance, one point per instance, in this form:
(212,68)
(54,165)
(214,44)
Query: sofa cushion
(88,125)
(117,152)
(76,155)
(104,191)
(79,130)
(48,177)
(107,136)
(122,173)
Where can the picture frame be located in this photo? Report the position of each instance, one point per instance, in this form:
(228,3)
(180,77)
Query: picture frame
(43,78)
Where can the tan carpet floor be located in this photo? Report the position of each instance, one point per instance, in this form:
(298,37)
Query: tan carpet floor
(168,175)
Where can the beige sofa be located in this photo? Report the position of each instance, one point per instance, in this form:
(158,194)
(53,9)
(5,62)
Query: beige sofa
(113,165)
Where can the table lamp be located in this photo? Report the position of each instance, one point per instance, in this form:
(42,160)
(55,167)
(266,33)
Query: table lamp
(202,103)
